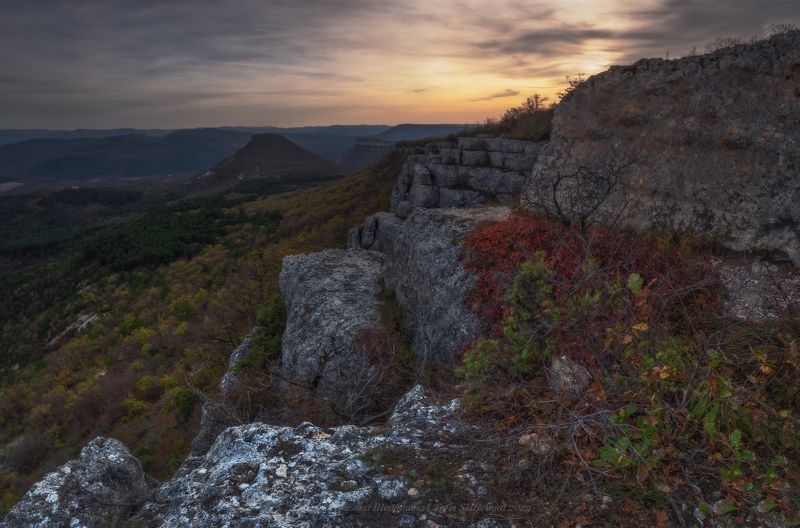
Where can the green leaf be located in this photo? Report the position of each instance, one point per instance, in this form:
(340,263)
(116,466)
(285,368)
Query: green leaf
(635,283)
(735,439)
(780,461)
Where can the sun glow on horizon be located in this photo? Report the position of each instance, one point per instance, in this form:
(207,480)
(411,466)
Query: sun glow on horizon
(177,64)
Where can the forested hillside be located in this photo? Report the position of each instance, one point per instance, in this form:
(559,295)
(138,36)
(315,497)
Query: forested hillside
(118,331)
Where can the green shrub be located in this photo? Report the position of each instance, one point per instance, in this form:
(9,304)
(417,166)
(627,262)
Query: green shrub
(272,316)
(150,387)
(185,402)
(134,407)
(184,310)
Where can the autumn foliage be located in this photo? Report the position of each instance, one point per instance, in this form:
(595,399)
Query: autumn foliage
(682,397)
(575,264)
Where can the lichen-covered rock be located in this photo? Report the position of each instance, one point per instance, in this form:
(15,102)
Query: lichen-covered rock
(331,298)
(414,416)
(715,139)
(98,489)
(263,475)
(257,475)
(758,290)
(424,268)
(467,173)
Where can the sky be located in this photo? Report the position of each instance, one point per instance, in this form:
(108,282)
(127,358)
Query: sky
(191,63)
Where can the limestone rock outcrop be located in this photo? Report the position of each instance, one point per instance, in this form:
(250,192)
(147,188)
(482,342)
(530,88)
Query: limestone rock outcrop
(425,271)
(264,475)
(98,489)
(715,141)
(331,297)
(259,475)
(470,172)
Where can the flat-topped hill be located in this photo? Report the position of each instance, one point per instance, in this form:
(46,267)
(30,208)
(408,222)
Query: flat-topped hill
(270,159)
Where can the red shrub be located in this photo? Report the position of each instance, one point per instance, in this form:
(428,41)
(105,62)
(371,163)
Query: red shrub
(580,264)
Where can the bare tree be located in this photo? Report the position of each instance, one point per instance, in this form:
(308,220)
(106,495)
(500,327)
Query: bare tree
(581,194)
(572,83)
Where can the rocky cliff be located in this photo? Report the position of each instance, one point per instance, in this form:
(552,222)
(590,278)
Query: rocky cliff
(424,269)
(332,298)
(706,143)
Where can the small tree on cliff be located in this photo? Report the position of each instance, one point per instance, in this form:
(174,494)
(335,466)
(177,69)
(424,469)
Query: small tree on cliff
(532,105)
(529,121)
(572,83)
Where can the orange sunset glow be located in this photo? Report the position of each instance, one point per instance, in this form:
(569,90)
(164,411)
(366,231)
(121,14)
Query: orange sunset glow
(294,63)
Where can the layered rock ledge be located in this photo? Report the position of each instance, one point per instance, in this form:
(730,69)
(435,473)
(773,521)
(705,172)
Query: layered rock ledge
(470,172)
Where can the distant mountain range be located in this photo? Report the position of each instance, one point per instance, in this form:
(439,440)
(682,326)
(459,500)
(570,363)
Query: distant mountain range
(15,135)
(9,136)
(58,158)
(179,153)
(365,152)
(412,132)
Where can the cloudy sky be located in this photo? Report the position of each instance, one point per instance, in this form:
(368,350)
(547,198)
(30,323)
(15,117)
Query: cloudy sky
(187,63)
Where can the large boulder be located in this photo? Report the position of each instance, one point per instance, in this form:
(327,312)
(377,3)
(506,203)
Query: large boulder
(331,301)
(708,143)
(429,280)
(98,489)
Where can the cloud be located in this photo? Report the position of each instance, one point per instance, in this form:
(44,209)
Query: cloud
(549,41)
(679,25)
(499,95)
(87,63)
